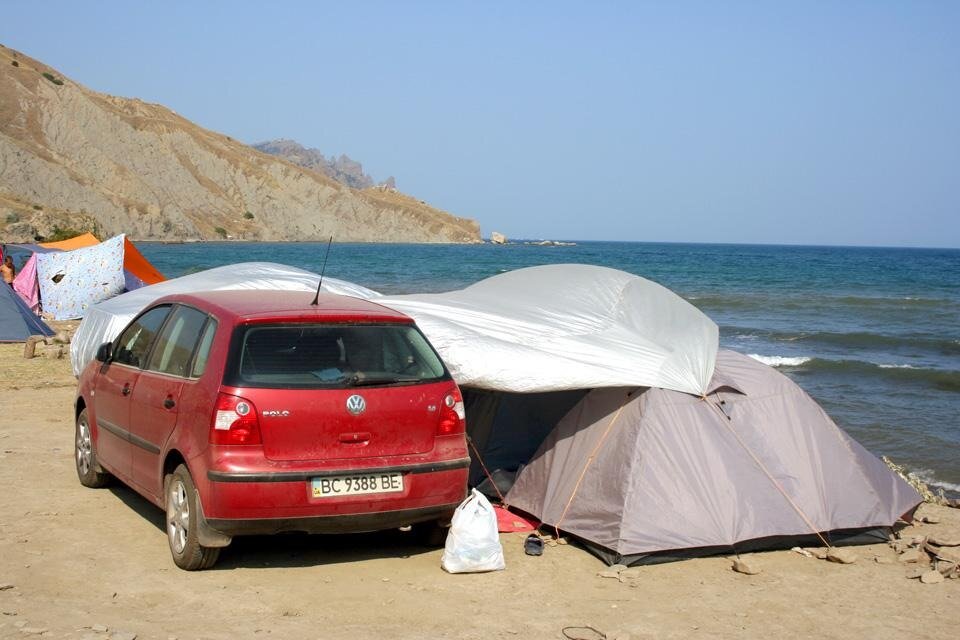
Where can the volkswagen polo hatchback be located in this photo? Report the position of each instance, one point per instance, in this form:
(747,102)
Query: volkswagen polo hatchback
(252,412)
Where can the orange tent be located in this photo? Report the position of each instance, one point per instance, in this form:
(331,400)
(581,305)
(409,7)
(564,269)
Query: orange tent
(76,242)
(133,260)
(135,263)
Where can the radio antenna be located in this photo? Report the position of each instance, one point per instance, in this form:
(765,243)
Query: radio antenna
(316,298)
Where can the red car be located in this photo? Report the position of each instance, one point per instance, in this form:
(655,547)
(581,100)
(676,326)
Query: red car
(252,412)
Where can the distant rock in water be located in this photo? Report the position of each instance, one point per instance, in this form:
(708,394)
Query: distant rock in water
(498,238)
(343,169)
(72,159)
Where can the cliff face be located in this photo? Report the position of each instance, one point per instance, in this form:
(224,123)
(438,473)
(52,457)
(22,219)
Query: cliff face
(75,158)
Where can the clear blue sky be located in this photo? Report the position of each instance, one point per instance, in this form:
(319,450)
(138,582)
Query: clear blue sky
(819,123)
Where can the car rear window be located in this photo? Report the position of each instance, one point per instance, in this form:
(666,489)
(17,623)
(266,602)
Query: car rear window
(331,356)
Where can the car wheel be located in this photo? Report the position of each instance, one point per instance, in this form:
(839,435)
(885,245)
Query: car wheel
(85,455)
(182,511)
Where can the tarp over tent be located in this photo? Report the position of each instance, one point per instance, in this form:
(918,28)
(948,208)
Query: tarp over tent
(531,330)
(104,321)
(643,474)
(567,326)
(17,322)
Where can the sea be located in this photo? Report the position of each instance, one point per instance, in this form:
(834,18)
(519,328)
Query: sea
(873,334)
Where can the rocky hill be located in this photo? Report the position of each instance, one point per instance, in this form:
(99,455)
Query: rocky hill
(77,159)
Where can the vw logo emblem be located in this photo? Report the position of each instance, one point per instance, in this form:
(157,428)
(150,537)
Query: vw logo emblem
(356,404)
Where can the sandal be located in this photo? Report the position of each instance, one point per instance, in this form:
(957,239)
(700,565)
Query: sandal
(533,545)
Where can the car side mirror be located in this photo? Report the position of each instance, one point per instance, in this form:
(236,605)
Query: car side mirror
(104,352)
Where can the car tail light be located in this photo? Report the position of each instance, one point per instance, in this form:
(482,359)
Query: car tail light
(234,421)
(452,414)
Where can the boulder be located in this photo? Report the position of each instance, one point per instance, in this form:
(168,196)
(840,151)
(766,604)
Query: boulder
(950,554)
(931,577)
(53,351)
(910,555)
(497,238)
(742,566)
(944,540)
(30,346)
(915,572)
(841,556)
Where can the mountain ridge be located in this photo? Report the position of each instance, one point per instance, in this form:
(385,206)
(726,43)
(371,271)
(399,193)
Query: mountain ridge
(73,158)
(343,169)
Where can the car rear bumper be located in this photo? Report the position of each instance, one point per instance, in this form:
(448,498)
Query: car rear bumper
(300,476)
(354,523)
(243,501)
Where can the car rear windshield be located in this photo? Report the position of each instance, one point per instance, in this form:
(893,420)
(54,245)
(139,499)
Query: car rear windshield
(313,356)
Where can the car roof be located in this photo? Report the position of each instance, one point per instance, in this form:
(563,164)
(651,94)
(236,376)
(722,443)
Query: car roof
(247,305)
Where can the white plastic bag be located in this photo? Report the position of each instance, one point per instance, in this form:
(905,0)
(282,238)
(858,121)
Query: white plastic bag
(473,543)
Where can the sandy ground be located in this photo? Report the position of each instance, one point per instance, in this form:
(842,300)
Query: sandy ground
(85,563)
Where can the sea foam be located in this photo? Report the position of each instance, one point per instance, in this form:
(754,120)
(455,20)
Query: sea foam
(781,361)
(926,476)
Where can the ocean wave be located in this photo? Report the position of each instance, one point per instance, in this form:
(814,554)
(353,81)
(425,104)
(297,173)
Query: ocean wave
(849,340)
(808,300)
(942,379)
(781,361)
(928,478)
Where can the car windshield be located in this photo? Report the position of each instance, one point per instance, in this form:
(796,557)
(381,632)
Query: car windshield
(332,356)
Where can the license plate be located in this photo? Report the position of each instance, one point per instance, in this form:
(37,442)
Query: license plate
(356,484)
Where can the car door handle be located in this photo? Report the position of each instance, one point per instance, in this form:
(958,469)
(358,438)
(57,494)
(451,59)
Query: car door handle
(169,403)
(126,390)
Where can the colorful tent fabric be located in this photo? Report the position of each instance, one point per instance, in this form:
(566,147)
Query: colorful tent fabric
(139,270)
(135,264)
(26,285)
(76,242)
(72,281)
(17,322)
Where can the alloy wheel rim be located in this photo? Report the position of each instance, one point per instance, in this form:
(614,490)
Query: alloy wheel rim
(84,447)
(178,518)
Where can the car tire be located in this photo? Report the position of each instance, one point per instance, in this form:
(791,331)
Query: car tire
(180,500)
(89,471)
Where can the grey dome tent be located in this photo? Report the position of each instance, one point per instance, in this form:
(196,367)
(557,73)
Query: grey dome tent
(643,475)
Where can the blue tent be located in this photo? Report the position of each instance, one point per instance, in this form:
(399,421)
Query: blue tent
(17,322)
